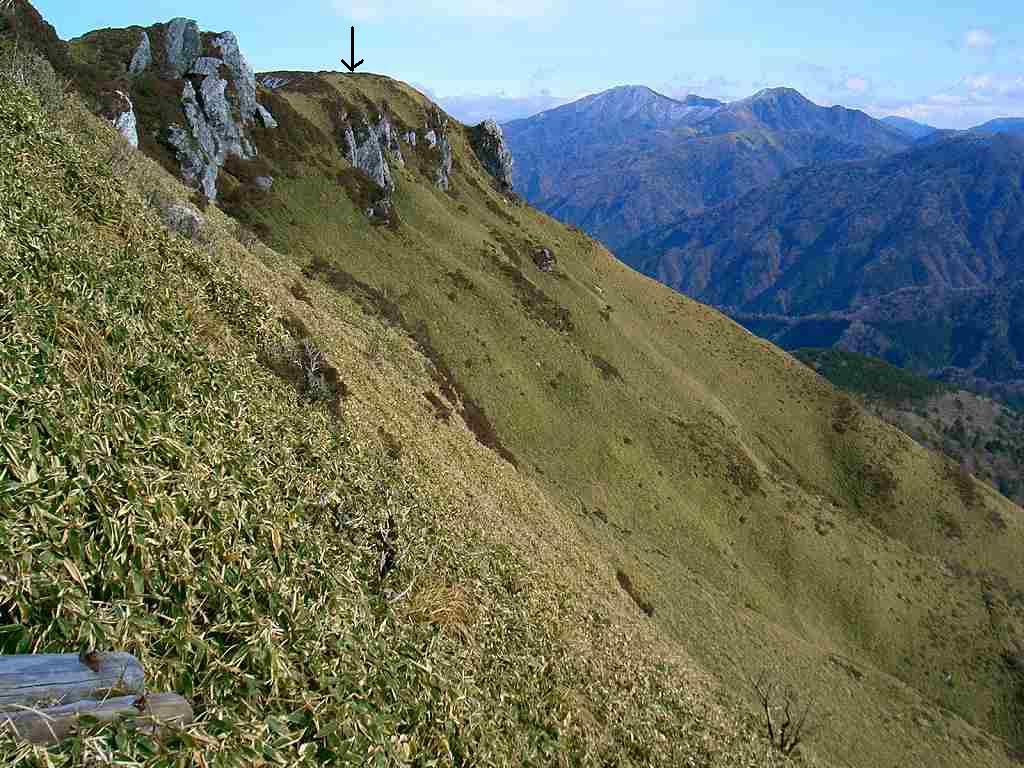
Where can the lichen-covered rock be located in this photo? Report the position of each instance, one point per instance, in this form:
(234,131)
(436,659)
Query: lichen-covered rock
(184,219)
(205,65)
(196,168)
(182,46)
(388,137)
(124,119)
(227,134)
(142,57)
(489,145)
(439,134)
(242,76)
(264,182)
(362,147)
(265,118)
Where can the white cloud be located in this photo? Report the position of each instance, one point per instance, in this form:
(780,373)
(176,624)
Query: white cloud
(857,84)
(972,100)
(979,39)
(472,109)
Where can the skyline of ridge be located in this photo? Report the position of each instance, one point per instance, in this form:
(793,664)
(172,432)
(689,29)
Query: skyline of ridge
(952,69)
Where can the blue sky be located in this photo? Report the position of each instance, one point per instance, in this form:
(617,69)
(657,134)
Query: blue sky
(953,65)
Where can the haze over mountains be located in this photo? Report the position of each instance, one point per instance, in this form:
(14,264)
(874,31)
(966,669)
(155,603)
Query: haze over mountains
(811,225)
(621,162)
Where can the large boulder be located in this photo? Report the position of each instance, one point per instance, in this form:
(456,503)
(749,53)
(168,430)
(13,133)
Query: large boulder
(489,145)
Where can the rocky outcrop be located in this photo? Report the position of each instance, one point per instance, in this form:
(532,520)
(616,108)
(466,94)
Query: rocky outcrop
(361,143)
(388,138)
(544,260)
(182,46)
(215,116)
(242,76)
(437,137)
(124,118)
(142,57)
(488,143)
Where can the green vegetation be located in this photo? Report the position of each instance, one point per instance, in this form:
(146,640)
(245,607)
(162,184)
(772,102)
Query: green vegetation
(871,377)
(979,435)
(162,491)
(334,574)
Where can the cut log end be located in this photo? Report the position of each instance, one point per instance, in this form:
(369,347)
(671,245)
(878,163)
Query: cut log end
(153,713)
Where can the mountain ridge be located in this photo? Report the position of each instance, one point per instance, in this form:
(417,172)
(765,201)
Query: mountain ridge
(784,253)
(618,178)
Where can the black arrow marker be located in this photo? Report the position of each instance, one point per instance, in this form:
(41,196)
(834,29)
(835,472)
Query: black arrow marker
(352,67)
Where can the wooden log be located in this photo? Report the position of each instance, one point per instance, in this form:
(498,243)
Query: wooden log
(153,712)
(64,678)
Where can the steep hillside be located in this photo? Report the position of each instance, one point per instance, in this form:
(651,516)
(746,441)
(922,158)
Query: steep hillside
(600,492)
(230,471)
(913,258)
(983,436)
(629,160)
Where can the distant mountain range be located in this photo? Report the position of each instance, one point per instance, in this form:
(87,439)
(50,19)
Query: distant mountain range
(622,162)
(916,257)
(911,128)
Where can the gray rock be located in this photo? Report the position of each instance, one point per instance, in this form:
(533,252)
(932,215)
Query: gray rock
(214,122)
(205,65)
(242,76)
(488,143)
(124,120)
(264,182)
(196,168)
(142,57)
(226,132)
(184,219)
(273,82)
(544,260)
(265,117)
(431,138)
(444,166)
(182,46)
(388,138)
(443,173)
(363,149)
(410,138)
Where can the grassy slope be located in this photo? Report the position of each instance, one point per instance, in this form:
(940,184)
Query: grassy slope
(763,516)
(163,492)
(982,435)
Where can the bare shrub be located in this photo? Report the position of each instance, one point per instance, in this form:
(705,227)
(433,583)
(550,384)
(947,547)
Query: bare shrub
(787,725)
(305,366)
